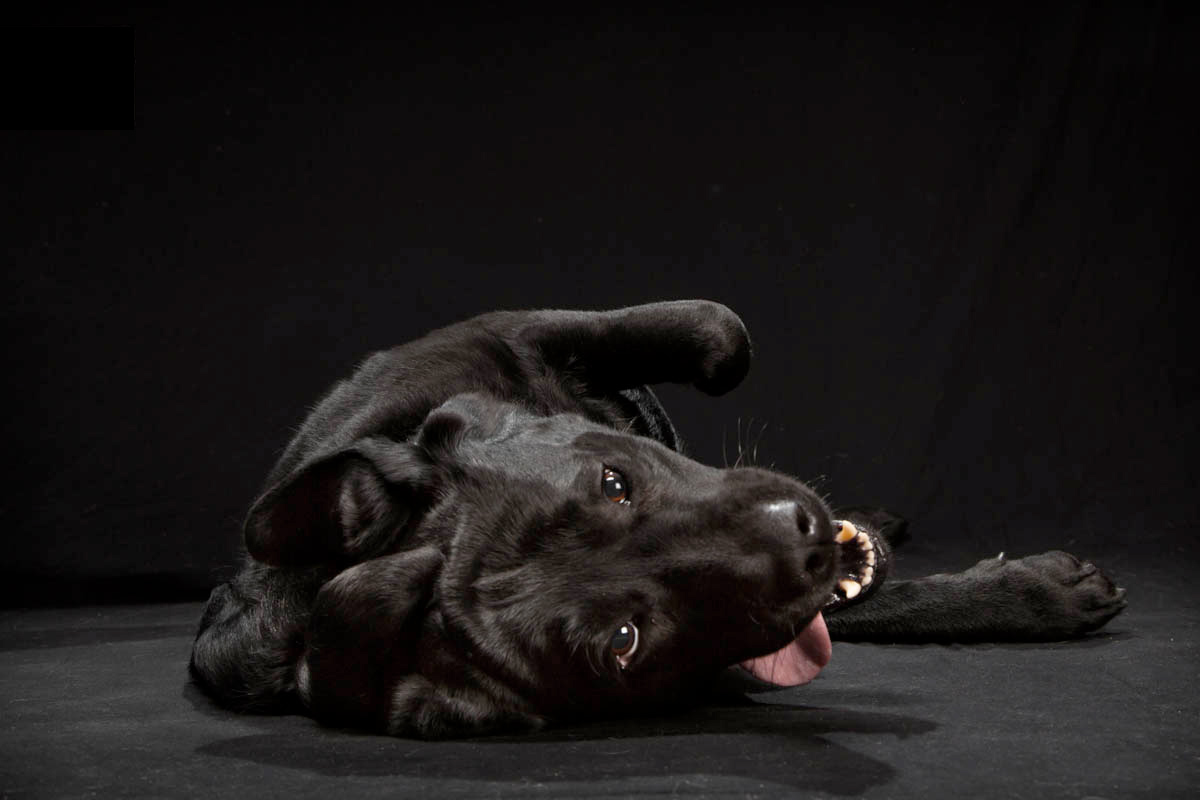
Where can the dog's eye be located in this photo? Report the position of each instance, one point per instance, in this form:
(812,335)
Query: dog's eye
(614,486)
(624,643)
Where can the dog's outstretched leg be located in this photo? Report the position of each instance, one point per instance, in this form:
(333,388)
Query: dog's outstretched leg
(684,341)
(1039,598)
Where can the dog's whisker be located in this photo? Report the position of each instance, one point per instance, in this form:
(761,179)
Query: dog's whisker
(816,484)
(740,452)
(754,448)
(588,657)
(761,433)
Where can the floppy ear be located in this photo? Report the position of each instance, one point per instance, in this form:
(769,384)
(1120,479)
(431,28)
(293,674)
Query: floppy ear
(362,655)
(361,635)
(349,504)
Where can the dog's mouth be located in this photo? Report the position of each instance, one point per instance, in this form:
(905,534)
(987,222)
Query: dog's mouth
(862,564)
(799,661)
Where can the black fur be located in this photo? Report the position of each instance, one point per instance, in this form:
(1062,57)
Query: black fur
(434,554)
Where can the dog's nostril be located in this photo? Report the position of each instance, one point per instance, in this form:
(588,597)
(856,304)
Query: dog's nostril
(815,563)
(802,521)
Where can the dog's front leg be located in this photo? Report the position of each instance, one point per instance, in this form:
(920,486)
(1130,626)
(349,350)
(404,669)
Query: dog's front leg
(684,341)
(1039,598)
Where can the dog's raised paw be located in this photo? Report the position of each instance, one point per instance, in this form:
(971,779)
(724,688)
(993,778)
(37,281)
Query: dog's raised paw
(725,346)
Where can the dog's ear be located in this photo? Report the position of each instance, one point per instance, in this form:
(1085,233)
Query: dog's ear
(369,636)
(348,504)
(361,636)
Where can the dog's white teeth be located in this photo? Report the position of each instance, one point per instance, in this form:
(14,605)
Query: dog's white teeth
(846,533)
(868,576)
(871,558)
(864,541)
(850,588)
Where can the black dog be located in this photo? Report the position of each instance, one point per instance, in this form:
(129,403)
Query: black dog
(493,527)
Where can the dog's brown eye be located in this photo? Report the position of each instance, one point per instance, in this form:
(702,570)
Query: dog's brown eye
(614,486)
(624,643)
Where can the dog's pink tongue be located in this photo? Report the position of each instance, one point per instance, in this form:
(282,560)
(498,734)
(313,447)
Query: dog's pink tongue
(798,662)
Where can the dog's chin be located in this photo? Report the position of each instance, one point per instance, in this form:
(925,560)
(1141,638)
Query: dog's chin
(796,663)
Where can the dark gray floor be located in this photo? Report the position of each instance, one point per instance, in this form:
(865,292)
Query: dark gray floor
(95,703)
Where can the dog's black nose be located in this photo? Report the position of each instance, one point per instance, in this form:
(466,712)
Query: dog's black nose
(809,518)
(806,522)
(804,533)
(816,529)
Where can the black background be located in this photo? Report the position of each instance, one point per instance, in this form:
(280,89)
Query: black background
(957,235)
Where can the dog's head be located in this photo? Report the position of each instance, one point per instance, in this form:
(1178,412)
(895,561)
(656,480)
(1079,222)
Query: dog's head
(504,568)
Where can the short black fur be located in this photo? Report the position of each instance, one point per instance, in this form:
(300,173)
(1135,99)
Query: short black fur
(433,555)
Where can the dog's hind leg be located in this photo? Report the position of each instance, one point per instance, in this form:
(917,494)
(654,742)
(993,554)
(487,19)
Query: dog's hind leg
(684,341)
(1039,598)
